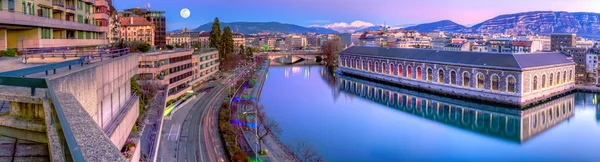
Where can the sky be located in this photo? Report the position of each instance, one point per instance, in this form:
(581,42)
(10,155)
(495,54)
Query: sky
(345,12)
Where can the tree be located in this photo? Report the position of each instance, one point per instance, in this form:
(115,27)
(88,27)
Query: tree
(143,47)
(215,37)
(170,47)
(330,49)
(265,126)
(306,153)
(242,50)
(230,62)
(227,41)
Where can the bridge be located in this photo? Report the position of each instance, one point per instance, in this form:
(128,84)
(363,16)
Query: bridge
(293,57)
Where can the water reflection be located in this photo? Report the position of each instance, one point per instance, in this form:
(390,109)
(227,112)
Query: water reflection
(508,123)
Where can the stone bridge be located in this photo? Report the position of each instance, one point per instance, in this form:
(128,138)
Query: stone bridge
(292,57)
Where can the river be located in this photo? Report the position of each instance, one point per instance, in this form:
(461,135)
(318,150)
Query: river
(349,119)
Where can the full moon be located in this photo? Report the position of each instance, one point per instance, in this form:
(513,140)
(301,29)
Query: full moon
(185,13)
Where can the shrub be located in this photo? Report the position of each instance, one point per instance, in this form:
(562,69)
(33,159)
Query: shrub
(170,47)
(11,52)
(143,47)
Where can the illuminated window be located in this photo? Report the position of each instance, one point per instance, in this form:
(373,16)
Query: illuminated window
(511,83)
(544,81)
(400,70)
(392,69)
(409,71)
(466,79)
(480,81)
(453,77)
(419,73)
(535,83)
(551,79)
(558,78)
(494,85)
(441,76)
(429,74)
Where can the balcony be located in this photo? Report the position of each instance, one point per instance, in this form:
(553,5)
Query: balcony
(70,7)
(58,4)
(39,43)
(15,18)
(101,3)
(89,1)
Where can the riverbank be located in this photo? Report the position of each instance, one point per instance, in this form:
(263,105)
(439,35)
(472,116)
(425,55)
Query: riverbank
(277,151)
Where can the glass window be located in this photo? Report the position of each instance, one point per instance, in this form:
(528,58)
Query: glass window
(419,73)
(453,77)
(558,78)
(400,70)
(409,71)
(544,81)
(535,83)
(441,76)
(495,79)
(480,81)
(466,79)
(392,69)
(429,74)
(551,79)
(511,84)
(565,77)
(377,67)
(383,68)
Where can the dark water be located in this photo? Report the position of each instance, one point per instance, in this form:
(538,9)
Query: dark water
(349,119)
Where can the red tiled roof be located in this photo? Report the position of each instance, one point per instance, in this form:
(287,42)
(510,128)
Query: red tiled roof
(134,21)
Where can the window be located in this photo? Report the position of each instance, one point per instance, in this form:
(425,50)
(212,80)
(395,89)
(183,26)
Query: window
(429,74)
(466,79)
(551,79)
(494,85)
(544,81)
(46,33)
(510,87)
(419,73)
(383,68)
(570,75)
(370,67)
(535,83)
(392,69)
(453,77)
(558,78)
(480,81)
(441,76)
(377,67)
(400,70)
(565,77)
(409,71)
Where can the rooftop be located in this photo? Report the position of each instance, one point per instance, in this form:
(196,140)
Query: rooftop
(476,59)
(134,21)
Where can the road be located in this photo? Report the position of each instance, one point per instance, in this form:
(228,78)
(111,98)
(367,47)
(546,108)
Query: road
(198,139)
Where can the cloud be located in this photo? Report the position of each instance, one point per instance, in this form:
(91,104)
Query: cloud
(344,27)
(318,21)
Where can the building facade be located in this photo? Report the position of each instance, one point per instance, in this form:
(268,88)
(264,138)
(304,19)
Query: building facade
(500,78)
(137,29)
(155,17)
(559,41)
(57,23)
(205,65)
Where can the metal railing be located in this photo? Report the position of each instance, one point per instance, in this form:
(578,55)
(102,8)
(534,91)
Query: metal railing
(64,52)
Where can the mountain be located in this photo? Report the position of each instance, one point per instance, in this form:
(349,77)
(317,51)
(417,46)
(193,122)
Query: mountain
(256,27)
(444,25)
(583,24)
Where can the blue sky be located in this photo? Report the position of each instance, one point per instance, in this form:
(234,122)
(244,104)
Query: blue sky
(322,12)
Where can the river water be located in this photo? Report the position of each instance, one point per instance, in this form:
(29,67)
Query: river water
(350,119)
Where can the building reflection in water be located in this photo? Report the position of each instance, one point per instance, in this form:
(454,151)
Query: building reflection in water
(508,123)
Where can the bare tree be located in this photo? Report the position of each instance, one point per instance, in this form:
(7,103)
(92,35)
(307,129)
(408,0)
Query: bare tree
(306,153)
(265,126)
(230,62)
(330,49)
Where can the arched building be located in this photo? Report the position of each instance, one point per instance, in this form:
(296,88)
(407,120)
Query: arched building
(501,78)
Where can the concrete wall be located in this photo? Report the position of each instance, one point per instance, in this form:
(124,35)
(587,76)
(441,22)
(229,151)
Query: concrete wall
(102,89)
(125,123)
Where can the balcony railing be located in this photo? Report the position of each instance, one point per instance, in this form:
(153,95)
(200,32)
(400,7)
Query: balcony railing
(19,18)
(70,7)
(58,3)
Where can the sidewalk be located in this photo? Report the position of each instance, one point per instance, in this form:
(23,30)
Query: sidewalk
(276,150)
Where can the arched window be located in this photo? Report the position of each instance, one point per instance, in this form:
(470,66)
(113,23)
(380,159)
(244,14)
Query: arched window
(441,76)
(558,78)
(453,77)
(400,70)
(565,77)
(570,75)
(480,81)
(429,74)
(466,79)
(392,69)
(384,68)
(409,71)
(419,73)
(370,67)
(364,65)
(510,84)
(377,66)
(495,83)
(551,80)
(544,81)
(535,83)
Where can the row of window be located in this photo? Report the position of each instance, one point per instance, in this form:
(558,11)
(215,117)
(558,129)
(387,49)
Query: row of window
(180,77)
(552,80)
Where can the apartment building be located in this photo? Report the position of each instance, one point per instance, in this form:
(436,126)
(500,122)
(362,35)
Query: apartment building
(137,29)
(238,39)
(53,23)
(205,64)
(559,41)
(155,17)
